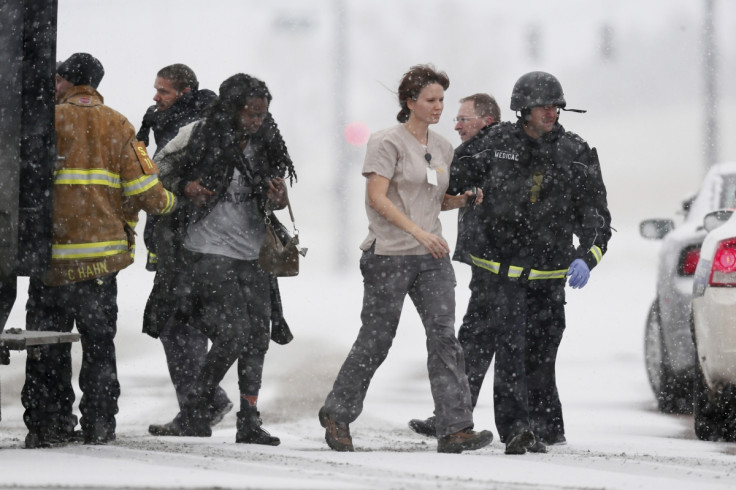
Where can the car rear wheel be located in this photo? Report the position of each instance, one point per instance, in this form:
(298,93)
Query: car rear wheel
(714,412)
(673,395)
(706,415)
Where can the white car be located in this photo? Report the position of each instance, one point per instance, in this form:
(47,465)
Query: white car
(714,331)
(668,347)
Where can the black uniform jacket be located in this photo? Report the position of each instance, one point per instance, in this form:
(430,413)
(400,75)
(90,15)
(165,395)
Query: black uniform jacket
(538,195)
(467,222)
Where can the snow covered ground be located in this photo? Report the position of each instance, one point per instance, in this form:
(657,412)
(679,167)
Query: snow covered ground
(644,116)
(616,437)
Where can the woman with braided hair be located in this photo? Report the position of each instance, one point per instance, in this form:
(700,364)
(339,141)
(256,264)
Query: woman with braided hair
(233,162)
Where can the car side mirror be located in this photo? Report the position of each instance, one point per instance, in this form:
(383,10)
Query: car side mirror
(687,204)
(656,229)
(715,219)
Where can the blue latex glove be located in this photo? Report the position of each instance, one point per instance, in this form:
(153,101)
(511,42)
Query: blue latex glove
(579,272)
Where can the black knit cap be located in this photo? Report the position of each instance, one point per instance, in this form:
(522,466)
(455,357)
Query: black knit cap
(82,69)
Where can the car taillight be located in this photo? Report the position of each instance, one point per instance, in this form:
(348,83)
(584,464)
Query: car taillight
(689,261)
(723,270)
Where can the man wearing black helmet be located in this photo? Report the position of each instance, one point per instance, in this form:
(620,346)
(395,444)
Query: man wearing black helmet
(542,187)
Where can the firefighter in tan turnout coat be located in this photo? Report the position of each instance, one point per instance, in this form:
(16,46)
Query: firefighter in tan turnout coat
(103,178)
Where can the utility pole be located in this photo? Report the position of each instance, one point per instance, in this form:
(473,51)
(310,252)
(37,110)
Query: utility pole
(27,142)
(343,158)
(710,68)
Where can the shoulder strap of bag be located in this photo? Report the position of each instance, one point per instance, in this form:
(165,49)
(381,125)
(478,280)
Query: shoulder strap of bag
(291,212)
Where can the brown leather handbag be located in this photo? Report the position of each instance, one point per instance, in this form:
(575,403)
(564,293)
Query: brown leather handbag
(280,250)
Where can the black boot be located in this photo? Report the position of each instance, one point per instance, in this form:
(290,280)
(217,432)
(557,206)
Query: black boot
(521,441)
(172,428)
(40,438)
(98,432)
(425,427)
(250,431)
(194,420)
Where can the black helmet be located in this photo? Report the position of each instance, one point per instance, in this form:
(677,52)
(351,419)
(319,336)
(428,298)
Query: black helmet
(537,88)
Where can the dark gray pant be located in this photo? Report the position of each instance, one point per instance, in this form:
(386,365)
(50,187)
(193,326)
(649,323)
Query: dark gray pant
(231,304)
(430,283)
(476,337)
(186,348)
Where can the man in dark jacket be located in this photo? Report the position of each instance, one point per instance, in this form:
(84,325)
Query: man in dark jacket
(475,117)
(178,103)
(542,188)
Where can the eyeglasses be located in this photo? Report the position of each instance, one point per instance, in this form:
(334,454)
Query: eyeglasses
(464,119)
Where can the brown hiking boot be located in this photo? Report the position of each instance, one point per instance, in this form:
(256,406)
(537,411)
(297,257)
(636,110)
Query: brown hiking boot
(464,440)
(337,434)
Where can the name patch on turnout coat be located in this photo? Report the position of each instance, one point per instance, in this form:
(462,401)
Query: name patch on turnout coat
(147,165)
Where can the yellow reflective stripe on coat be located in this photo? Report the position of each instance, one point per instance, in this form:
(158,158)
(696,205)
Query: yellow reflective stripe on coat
(558,274)
(139,185)
(486,264)
(75,251)
(103,177)
(170,202)
(95,176)
(132,225)
(516,271)
(597,253)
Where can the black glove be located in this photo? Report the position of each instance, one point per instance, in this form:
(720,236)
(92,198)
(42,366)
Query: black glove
(149,120)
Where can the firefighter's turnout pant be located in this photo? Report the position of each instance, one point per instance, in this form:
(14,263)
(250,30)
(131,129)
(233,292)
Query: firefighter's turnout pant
(48,395)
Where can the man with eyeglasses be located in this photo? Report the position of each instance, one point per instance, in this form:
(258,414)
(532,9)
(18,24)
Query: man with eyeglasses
(544,218)
(476,112)
(475,117)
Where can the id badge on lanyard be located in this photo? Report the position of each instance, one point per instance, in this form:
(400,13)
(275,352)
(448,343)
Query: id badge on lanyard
(432,176)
